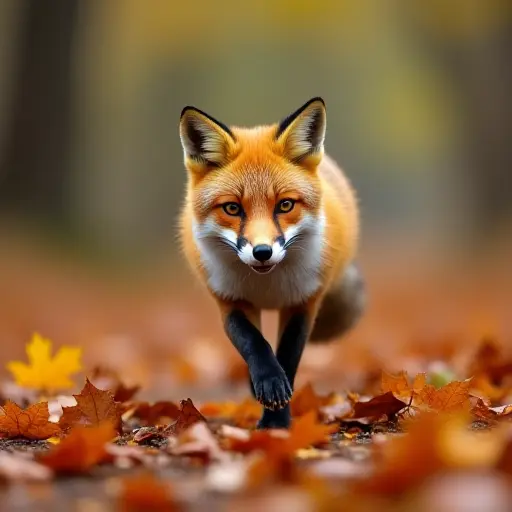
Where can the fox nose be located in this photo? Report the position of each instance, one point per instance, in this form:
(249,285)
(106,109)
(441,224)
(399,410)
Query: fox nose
(262,252)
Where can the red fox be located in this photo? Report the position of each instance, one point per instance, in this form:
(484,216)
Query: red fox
(271,223)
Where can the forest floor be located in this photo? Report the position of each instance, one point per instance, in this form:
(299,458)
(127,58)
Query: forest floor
(131,399)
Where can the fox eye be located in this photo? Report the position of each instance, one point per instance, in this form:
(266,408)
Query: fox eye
(285,206)
(232,209)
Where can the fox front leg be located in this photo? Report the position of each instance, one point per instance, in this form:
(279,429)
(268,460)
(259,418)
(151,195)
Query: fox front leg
(269,380)
(294,329)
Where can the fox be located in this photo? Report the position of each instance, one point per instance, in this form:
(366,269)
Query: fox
(271,222)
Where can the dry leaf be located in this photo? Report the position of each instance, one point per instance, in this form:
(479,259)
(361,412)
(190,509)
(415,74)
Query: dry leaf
(304,432)
(244,415)
(433,443)
(146,493)
(81,450)
(386,404)
(94,406)
(155,414)
(307,431)
(305,400)
(198,441)
(187,416)
(31,423)
(400,386)
(452,397)
(43,372)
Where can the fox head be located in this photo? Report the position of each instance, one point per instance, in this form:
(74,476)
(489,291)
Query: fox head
(254,192)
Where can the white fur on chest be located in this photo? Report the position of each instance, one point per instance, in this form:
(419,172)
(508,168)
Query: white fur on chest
(286,285)
(292,282)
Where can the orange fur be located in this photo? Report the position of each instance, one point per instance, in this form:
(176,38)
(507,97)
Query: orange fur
(255,170)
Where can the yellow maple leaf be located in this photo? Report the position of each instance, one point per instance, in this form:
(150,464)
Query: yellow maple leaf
(44,372)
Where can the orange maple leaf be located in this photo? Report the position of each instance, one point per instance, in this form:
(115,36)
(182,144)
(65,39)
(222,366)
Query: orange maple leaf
(188,415)
(304,432)
(81,450)
(145,492)
(454,396)
(94,406)
(307,431)
(400,386)
(31,423)
(244,415)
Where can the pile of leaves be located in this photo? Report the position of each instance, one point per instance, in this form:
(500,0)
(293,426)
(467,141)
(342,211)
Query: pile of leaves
(398,445)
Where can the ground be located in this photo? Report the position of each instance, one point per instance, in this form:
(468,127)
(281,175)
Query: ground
(406,412)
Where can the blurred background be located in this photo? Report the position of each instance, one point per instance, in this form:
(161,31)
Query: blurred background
(419,110)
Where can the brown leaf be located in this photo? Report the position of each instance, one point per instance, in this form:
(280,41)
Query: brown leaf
(452,397)
(386,404)
(187,416)
(157,413)
(145,492)
(489,361)
(124,393)
(94,406)
(482,411)
(31,423)
(306,399)
(81,450)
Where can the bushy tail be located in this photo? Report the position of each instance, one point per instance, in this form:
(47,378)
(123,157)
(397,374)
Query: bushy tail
(342,307)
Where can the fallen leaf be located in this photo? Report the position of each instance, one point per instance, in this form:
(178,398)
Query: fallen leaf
(433,443)
(31,423)
(400,386)
(145,492)
(306,399)
(452,397)
(187,416)
(304,432)
(81,450)
(124,393)
(244,415)
(198,441)
(307,431)
(14,467)
(43,372)
(386,404)
(154,414)
(397,384)
(94,406)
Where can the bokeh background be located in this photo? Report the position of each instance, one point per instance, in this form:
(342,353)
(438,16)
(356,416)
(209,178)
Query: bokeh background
(419,110)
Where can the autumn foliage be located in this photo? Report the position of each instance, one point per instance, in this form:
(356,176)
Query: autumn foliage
(413,427)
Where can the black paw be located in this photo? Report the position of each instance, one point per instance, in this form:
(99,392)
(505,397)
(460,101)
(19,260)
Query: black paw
(280,418)
(272,389)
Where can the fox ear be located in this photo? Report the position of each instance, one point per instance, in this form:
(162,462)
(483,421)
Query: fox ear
(206,141)
(303,132)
